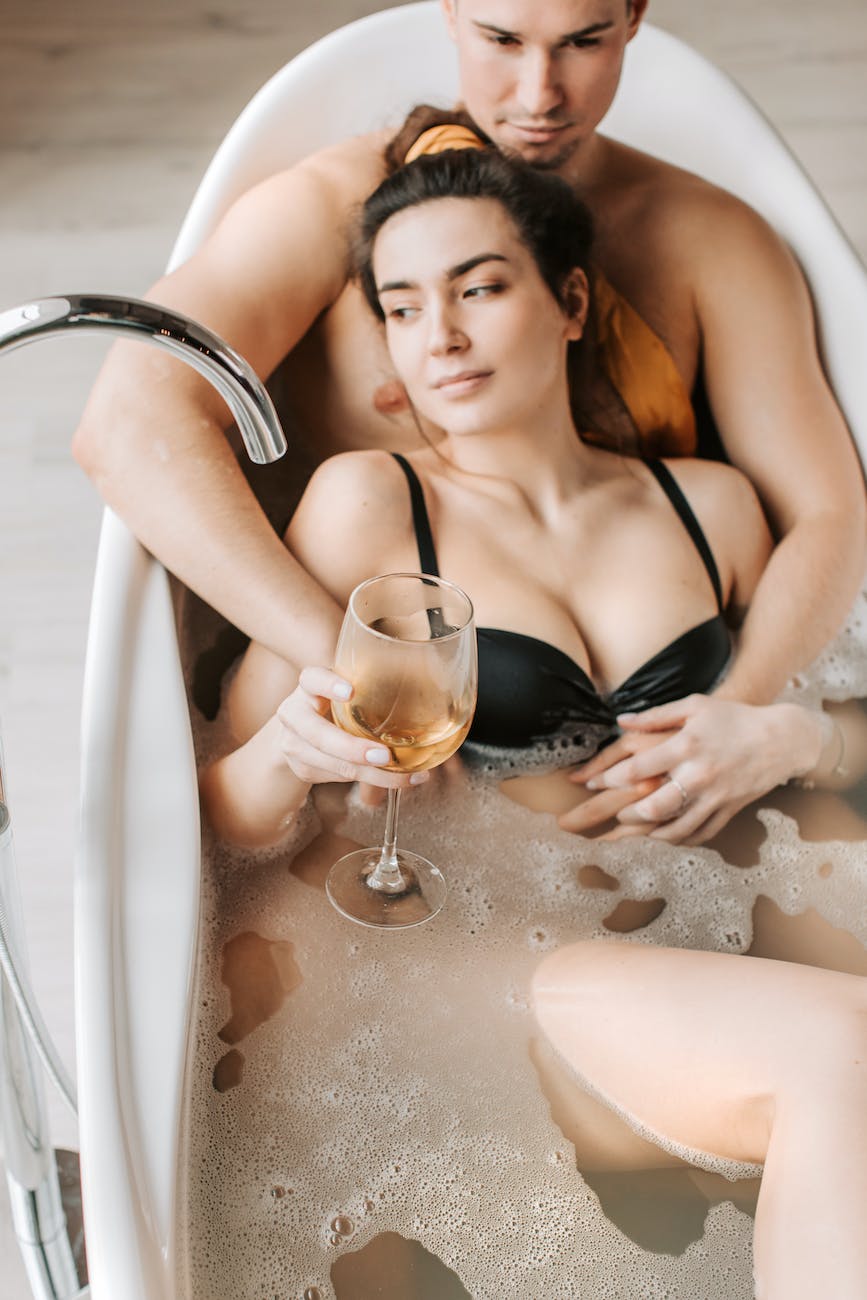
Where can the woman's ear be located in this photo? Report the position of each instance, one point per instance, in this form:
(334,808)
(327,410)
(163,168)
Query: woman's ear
(576,301)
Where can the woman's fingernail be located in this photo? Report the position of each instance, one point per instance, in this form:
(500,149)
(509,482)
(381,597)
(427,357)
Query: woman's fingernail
(594,783)
(626,717)
(419,778)
(341,691)
(377,755)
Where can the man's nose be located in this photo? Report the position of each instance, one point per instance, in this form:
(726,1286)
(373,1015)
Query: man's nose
(539,87)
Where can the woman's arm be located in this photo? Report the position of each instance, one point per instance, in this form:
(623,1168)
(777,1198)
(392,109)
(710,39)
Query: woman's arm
(353,517)
(253,794)
(346,527)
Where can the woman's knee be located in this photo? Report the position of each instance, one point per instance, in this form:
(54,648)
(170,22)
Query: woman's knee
(826,1050)
(580,998)
(579,968)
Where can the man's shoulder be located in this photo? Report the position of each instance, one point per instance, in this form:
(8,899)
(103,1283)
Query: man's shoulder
(344,172)
(677,203)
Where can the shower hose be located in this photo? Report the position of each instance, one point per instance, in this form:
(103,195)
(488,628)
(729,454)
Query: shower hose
(13,970)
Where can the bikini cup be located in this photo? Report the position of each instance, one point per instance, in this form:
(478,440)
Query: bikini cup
(531,692)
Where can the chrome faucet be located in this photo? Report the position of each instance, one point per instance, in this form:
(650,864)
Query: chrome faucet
(234,379)
(37,1206)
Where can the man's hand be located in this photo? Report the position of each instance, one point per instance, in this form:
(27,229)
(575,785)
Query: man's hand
(708,757)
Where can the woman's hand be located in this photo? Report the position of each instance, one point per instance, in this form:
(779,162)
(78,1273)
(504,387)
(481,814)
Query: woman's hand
(253,794)
(318,751)
(601,806)
(711,757)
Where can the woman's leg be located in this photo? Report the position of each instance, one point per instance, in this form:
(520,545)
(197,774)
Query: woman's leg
(739,1057)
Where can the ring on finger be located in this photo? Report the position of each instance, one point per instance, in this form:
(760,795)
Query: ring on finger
(684,796)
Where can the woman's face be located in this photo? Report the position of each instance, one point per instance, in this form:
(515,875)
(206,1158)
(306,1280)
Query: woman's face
(473,330)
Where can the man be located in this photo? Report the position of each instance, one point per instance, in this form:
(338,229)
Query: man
(714,284)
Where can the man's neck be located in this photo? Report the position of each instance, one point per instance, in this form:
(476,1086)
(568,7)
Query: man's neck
(587,169)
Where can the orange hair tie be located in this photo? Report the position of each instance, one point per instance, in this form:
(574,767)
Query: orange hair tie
(437,139)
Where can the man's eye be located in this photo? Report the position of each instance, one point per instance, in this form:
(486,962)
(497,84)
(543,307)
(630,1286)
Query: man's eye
(584,42)
(500,38)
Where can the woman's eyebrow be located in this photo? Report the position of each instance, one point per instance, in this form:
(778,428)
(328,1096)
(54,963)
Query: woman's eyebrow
(453,273)
(472,262)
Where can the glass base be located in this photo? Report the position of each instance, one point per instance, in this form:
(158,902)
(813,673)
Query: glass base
(422,896)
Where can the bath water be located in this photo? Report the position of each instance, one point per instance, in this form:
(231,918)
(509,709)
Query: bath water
(393,1123)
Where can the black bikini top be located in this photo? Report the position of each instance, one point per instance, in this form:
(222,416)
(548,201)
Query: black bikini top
(531,693)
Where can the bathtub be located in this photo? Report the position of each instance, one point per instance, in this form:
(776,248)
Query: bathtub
(138,861)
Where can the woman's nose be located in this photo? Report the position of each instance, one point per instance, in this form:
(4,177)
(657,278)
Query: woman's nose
(445,333)
(539,88)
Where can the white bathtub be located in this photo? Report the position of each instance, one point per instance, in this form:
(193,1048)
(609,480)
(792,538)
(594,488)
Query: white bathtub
(137,881)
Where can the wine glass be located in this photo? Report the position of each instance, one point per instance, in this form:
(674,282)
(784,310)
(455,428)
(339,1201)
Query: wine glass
(408,645)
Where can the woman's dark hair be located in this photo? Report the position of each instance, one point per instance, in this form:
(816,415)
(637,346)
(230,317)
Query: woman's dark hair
(550,219)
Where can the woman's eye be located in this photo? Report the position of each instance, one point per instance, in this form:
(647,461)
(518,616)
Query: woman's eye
(400,313)
(483,290)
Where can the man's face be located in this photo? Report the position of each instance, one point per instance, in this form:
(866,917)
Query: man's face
(539,75)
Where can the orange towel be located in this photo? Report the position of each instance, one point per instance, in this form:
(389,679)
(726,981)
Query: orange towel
(641,370)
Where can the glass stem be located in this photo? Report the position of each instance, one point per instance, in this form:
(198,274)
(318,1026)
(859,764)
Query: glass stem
(386,876)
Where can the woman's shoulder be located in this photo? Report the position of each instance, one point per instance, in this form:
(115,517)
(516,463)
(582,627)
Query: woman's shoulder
(711,486)
(354,513)
(729,512)
(359,477)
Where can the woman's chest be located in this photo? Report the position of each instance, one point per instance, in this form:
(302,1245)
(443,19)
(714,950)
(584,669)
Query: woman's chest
(608,594)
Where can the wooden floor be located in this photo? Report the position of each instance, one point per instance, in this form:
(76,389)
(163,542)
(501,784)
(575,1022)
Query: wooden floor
(109,113)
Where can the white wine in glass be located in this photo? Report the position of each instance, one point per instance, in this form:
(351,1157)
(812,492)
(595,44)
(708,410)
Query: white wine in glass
(408,646)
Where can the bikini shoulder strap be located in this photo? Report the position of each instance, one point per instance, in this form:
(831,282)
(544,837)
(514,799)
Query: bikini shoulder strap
(670,487)
(421,523)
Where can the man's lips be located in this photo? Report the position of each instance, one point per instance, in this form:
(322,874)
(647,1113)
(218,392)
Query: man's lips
(463,381)
(538,133)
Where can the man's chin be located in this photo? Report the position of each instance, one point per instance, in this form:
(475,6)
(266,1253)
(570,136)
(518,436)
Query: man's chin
(549,156)
(544,158)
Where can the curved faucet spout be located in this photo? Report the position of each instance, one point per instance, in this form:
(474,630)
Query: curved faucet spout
(234,379)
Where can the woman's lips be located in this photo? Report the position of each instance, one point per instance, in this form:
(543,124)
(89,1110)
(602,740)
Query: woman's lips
(465,381)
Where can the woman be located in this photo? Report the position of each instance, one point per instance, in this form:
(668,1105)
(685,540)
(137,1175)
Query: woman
(601,584)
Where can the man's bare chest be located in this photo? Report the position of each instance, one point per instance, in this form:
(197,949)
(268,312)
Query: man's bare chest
(340,386)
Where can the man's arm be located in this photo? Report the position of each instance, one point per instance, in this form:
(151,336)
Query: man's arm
(779,424)
(152,435)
